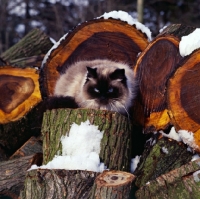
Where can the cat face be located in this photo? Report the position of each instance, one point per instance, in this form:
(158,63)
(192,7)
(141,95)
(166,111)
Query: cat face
(106,91)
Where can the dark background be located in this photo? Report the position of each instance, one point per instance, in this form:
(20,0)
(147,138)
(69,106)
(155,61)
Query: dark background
(57,17)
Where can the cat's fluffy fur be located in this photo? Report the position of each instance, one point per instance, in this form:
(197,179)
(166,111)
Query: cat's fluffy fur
(86,80)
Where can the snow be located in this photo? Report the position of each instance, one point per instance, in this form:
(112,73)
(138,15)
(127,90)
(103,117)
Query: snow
(172,135)
(189,43)
(56,44)
(165,150)
(80,150)
(195,157)
(124,16)
(187,138)
(134,163)
(196,176)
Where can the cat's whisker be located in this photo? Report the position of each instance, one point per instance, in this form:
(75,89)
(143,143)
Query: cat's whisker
(123,106)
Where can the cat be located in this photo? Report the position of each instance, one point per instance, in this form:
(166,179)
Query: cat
(97,84)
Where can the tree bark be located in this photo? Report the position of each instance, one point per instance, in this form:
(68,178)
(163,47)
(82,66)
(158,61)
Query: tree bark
(32,146)
(12,174)
(155,65)
(35,43)
(179,183)
(96,39)
(116,142)
(58,184)
(112,185)
(160,156)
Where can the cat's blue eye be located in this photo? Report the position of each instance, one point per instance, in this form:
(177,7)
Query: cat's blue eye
(110,90)
(96,90)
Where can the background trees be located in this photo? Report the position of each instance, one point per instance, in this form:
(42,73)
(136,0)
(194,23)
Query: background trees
(56,17)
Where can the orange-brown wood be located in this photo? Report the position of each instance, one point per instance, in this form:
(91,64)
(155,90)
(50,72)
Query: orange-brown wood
(20,92)
(104,39)
(184,96)
(154,67)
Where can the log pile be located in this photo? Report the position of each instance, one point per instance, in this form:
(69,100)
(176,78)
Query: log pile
(168,95)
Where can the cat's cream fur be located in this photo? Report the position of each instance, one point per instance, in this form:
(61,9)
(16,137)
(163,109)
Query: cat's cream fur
(71,83)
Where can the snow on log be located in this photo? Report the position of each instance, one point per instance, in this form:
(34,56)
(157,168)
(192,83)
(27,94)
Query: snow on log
(100,38)
(155,65)
(113,184)
(180,183)
(115,146)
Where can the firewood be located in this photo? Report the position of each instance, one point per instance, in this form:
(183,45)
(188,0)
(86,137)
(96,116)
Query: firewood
(180,183)
(113,184)
(184,97)
(160,156)
(32,146)
(155,65)
(12,174)
(59,184)
(20,92)
(100,38)
(116,142)
(32,47)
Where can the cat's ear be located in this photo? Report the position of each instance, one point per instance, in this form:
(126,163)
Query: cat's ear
(92,72)
(118,74)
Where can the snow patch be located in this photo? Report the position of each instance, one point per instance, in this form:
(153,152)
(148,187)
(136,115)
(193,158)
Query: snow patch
(189,43)
(80,150)
(196,176)
(124,16)
(134,163)
(172,135)
(165,150)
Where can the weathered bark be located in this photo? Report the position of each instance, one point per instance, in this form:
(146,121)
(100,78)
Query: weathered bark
(115,144)
(159,157)
(20,92)
(35,43)
(184,97)
(12,174)
(32,146)
(58,184)
(179,183)
(155,65)
(113,185)
(104,39)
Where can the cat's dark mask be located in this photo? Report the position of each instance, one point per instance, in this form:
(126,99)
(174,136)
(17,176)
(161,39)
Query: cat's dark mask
(117,74)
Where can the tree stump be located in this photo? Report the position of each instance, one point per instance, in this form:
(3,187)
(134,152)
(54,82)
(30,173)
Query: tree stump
(160,156)
(179,183)
(59,184)
(113,184)
(184,97)
(116,142)
(96,39)
(155,65)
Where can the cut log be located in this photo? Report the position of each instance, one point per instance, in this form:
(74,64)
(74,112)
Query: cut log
(113,184)
(34,45)
(32,146)
(184,97)
(116,142)
(59,184)
(21,92)
(179,183)
(12,174)
(159,157)
(96,39)
(155,65)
